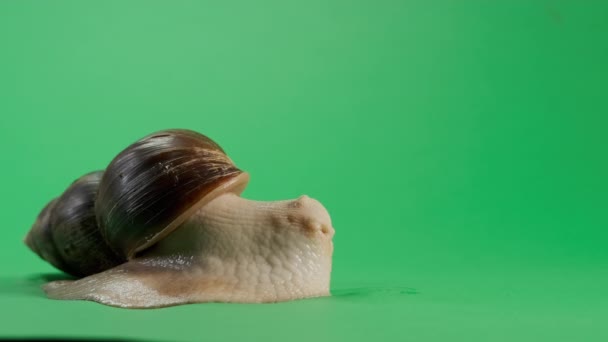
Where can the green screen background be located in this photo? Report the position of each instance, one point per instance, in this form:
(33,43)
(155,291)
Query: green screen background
(460,147)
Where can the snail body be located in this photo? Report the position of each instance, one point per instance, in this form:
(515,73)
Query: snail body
(164,225)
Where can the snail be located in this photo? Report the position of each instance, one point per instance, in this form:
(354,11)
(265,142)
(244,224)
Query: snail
(165,225)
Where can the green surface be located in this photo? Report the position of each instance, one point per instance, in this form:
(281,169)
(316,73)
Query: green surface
(460,147)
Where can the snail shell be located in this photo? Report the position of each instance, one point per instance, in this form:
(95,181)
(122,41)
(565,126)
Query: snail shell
(152,186)
(149,189)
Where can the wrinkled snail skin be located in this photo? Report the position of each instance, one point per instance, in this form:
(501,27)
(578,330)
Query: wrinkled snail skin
(165,225)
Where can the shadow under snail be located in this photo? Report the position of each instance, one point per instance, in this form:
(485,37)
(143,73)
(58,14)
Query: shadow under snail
(164,225)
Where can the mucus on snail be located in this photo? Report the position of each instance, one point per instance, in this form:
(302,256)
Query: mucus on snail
(165,225)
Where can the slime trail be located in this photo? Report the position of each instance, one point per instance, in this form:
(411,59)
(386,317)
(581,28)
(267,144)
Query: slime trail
(373,292)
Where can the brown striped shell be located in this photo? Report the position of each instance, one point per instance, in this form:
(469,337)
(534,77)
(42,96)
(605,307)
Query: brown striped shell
(152,186)
(147,191)
(66,233)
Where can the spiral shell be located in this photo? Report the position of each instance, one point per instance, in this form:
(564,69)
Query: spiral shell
(153,185)
(148,190)
(66,232)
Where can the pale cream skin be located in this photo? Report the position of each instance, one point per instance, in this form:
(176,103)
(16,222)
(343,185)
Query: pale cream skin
(230,250)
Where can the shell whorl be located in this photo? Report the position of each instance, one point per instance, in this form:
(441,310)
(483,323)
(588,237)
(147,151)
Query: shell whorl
(66,233)
(147,191)
(40,239)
